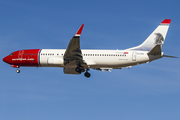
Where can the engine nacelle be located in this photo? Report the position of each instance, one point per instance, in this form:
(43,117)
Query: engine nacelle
(70,71)
(55,61)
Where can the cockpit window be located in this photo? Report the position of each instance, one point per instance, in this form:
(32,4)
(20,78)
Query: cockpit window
(12,54)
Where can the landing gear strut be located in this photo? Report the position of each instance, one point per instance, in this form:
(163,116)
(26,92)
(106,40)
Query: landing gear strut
(80,69)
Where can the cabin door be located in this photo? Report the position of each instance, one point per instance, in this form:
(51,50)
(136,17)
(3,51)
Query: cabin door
(134,56)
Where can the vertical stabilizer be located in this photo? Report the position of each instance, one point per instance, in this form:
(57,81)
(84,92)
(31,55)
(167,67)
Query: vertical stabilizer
(157,37)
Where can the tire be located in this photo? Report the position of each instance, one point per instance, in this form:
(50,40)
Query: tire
(86,74)
(78,70)
(18,71)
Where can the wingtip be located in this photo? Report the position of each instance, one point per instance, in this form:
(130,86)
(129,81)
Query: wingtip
(80,30)
(166,21)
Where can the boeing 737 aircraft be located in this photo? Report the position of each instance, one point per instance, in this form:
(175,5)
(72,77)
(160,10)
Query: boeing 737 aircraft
(74,60)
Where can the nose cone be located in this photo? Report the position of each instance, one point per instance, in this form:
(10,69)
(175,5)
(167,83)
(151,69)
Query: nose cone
(5,59)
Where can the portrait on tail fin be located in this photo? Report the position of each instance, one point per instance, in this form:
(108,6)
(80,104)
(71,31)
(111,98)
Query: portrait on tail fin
(157,37)
(159,40)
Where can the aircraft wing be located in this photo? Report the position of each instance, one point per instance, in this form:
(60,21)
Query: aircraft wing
(73,54)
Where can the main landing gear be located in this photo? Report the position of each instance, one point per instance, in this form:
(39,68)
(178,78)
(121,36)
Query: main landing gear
(87,74)
(79,70)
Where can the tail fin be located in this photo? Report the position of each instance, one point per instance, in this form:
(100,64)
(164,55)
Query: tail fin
(157,37)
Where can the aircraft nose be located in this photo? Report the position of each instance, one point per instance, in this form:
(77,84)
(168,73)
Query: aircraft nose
(5,59)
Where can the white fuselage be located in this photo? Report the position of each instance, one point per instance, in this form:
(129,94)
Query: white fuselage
(115,59)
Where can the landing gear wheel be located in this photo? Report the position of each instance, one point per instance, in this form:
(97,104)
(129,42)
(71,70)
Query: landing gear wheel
(86,74)
(18,71)
(78,70)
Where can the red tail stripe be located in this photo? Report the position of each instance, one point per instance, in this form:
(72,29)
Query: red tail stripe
(166,21)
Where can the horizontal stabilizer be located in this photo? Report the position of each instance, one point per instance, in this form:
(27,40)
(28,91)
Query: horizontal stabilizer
(156,50)
(169,56)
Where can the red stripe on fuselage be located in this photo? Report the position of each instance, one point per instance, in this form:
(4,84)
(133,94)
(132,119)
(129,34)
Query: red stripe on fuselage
(24,58)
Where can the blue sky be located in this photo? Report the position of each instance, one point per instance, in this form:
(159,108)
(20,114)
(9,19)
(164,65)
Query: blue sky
(148,91)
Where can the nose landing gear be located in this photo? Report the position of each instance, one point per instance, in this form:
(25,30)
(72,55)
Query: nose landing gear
(18,71)
(15,66)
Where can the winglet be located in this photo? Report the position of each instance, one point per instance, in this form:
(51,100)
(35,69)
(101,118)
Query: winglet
(166,21)
(79,31)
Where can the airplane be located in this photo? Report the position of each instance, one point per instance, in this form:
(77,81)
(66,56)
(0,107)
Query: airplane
(75,60)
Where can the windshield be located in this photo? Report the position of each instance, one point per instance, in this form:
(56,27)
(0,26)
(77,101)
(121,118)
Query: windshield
(12,54)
